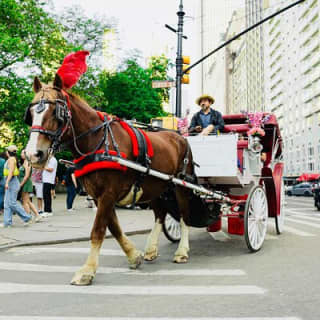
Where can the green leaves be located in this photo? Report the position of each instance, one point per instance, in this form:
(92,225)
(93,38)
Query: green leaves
(34,42)
(129,93)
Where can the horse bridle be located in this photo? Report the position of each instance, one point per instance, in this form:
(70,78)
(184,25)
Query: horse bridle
(62,113)
(64,117)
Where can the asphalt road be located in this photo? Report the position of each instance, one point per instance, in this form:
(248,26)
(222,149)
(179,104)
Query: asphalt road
(222,280)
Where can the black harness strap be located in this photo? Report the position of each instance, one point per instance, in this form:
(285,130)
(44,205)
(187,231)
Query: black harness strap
(142,159)
(183,174)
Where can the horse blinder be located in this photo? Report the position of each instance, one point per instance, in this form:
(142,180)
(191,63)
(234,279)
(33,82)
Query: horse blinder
(27,117)
(61,112)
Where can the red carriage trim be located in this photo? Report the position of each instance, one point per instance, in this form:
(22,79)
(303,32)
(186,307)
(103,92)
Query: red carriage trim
(134,140)
(99,165)
(238,128)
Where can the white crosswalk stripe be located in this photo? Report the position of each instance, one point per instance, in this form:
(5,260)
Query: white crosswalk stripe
(304,217)
(47,249)
(140,318)
(103,270)
(309,224)
(298,232)
(171,290)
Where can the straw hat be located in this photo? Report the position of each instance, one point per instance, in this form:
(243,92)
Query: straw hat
(205,96)
(12,148)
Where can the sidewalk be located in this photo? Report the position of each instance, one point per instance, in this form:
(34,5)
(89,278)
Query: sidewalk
(67,227)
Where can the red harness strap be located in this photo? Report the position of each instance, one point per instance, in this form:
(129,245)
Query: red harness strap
(98,165)
(66,95)
(134,140)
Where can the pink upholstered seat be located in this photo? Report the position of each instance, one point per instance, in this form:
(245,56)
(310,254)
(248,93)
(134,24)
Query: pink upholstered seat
(237,128)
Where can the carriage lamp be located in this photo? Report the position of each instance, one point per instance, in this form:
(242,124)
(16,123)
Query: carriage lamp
(254,144)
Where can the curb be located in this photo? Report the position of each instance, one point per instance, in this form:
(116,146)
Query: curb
(51,242)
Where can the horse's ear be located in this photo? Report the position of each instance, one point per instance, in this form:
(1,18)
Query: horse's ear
(36,85)
(58,82)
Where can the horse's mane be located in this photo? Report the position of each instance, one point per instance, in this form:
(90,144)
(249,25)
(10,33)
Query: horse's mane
(78,100)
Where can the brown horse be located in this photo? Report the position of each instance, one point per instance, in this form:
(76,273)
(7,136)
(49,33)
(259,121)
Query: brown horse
(107,187)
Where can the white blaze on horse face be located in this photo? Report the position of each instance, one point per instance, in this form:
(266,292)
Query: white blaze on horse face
(31,148)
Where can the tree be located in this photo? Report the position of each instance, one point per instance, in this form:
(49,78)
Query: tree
(83,32)
(129,93)
(159,66)
(28,35)
(32,41)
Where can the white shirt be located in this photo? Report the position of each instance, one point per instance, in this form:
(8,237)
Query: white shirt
(49,177)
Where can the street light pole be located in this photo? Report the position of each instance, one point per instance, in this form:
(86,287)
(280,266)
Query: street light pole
(179,60)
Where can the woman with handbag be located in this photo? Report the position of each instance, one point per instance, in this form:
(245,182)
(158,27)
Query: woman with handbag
(12,186)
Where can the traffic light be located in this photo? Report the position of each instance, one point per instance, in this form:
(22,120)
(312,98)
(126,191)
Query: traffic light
(185,77)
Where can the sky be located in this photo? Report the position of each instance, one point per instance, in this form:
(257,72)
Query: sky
(141,22)
(141,26)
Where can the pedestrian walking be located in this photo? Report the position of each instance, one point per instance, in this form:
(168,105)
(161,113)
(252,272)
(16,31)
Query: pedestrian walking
(36,178)
(2,179)
(70,182)
(53,190)
(12,186)
(48,179)
(26,187)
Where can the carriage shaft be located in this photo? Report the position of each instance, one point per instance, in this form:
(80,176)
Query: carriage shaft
(167,177)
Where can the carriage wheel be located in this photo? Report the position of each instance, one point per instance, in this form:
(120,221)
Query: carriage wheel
(171,228)
(279,219)
(256,218)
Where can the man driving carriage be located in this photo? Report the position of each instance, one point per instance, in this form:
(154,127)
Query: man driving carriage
(207,120)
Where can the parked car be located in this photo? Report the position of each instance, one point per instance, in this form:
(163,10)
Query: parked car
(301,189)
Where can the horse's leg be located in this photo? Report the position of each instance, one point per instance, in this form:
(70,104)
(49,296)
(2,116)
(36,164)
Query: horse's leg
(151,249)
(181,255)
(135,257)
(87,272)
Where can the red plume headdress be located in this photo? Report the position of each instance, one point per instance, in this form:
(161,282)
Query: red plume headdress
(73,66)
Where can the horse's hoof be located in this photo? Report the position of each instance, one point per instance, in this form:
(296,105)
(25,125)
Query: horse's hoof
(82,279)
(150,256)
(180,259)
(136,262)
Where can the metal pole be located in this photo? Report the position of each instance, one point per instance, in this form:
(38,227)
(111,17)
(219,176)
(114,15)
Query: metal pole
(179,60)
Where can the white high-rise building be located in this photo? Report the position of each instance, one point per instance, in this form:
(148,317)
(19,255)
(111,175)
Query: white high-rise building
(292,77)
(255,56)
(212,24)
(236,65)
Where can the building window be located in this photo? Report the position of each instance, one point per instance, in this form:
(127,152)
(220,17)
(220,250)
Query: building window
(310,166)
(310,151)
